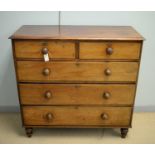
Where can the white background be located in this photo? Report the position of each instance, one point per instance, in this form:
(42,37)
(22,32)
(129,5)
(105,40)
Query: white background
(143,22)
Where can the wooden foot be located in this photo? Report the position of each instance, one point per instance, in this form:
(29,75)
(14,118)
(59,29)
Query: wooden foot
(124,132)
(29,132)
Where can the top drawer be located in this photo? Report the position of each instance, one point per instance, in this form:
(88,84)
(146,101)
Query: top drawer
(34,49)
(110,50)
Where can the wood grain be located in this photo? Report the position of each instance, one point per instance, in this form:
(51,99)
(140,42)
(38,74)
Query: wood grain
(33,49)
(72,71)
(75,115)
(77,32)
(77,94)
(121,50)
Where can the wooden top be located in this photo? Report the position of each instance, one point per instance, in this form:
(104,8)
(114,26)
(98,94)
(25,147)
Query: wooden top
(77,32)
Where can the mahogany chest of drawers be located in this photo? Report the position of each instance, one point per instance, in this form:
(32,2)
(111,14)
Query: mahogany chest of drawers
(77,76)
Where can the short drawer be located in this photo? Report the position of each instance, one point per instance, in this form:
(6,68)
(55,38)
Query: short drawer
(76,115)
(38,71)
(112,50)
(35,49)
(77,94)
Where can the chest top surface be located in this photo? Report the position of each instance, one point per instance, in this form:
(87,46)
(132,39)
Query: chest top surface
(77,32)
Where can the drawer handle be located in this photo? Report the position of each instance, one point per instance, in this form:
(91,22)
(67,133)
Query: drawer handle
(49,116)
(46,71)
(45,50)
(104,116)
(109,50)
(48,95)
(106,95)
(107,72)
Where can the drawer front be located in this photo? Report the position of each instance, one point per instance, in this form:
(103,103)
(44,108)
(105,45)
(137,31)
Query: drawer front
(83,71)
(34,49)
(74,115)
(77,94)
(114,50)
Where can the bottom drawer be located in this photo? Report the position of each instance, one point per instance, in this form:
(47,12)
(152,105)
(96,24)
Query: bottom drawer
(76,115)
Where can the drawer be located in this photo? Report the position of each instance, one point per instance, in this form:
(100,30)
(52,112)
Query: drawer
(34,49)
(106,50)
(76,115)
(38,71)
(77,94)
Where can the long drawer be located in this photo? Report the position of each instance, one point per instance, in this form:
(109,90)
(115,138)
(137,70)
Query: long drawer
(77,94)
(74,115)
(34,49)
(39,71)
(109,50)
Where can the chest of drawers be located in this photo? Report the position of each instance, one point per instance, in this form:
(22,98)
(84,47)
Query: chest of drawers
(89,80)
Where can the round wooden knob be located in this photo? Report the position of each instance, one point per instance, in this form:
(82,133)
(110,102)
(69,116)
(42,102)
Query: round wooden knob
(49,116)
(106,95)
(48,95)
(107,72)
(44,50)
(46,71)
(109,50)
(104,116)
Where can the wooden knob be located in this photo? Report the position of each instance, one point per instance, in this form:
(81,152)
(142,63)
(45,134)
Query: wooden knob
(107,72)
(104,116)
(48,95)
(109,50)
(106,95)
(49,116)
(46,71)
(44,50)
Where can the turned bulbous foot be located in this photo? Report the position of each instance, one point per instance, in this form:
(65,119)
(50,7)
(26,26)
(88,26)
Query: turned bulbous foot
(29,132)
(124,132)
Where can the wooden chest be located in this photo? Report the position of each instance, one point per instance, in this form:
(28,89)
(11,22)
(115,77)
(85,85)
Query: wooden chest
(77,76)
